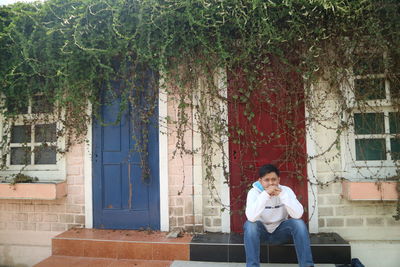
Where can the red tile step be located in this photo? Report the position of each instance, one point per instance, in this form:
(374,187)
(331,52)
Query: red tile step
(121,244)
(69,261)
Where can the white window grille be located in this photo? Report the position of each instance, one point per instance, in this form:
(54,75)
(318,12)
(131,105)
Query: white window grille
(372,143)
(34,144)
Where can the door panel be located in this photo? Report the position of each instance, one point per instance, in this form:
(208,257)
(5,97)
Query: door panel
(112,181)
(121,195)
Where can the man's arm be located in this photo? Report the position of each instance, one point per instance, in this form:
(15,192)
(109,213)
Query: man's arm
(255,204)
(293,206)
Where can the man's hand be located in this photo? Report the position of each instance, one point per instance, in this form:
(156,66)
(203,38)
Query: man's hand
(273,190)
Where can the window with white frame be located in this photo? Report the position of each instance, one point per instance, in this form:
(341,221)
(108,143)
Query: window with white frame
(33,140)
(373,140)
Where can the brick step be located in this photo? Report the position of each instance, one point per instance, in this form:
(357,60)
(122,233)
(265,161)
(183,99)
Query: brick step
(209,247)
(121,244)
(69,261)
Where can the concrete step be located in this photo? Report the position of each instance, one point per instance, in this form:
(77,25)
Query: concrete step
(71,261)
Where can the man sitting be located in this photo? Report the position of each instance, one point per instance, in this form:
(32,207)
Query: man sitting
(268,207)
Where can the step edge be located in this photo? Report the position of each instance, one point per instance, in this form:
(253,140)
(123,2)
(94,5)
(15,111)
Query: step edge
(190,243)
(120,241)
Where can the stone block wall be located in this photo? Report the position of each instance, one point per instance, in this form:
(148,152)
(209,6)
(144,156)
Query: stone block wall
(215,187)
(213,200)
(369,226)
(356,220)
(353,220)
(194,203)
(50,215)
(184,188)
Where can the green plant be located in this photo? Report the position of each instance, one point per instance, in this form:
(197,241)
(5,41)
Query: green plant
(22,178)
(74,51)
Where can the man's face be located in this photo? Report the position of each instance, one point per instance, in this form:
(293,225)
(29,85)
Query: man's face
(269,179)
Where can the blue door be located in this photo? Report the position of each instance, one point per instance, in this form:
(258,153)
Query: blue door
(124,198)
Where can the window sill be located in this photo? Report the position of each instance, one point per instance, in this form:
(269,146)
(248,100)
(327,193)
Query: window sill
(42,191)
(369,190)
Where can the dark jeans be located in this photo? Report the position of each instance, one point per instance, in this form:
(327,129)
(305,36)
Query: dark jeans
(255,234)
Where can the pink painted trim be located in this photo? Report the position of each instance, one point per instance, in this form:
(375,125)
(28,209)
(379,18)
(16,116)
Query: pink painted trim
(44,191)
(369,190)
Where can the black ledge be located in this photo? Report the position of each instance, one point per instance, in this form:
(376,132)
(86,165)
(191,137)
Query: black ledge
(220,247)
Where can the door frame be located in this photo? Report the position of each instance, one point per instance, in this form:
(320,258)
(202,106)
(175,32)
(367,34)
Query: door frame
(312,189)
(163,167)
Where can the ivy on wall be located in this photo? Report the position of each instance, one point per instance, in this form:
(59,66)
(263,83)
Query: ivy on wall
(73,52)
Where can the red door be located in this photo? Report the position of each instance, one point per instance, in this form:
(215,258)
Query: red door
(266,125)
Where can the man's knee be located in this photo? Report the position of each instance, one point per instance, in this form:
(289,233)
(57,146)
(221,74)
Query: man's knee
(298,224)
(251,228)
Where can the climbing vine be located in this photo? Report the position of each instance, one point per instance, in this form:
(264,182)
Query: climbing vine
(336,59)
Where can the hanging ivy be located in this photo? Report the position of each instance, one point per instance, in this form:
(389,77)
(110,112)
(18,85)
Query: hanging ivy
(74,52)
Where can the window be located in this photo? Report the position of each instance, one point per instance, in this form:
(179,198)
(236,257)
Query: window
(373,140)
(33,144)
(33,141)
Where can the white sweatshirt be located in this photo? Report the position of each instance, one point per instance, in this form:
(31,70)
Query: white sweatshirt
(272,210)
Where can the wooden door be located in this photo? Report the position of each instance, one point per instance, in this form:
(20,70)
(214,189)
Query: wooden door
(122,197)
(266,126)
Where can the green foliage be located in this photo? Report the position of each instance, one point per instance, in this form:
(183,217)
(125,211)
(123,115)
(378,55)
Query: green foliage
(22,178)
(73,52)
(69,49)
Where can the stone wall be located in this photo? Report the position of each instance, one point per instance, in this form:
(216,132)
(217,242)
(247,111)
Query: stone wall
(50,215)
(194,203)
(354,220)
(184,189)
(214,202)
(27,226)
(369,226)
